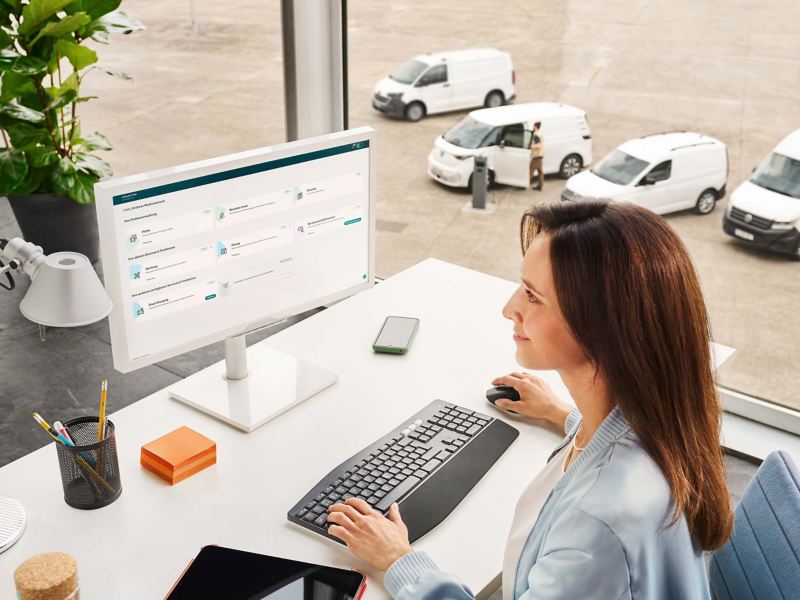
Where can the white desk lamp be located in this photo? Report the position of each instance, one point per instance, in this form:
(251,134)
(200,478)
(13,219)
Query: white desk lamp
(65,292)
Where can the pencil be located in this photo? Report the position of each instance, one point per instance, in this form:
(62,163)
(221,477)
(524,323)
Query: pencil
(101,422)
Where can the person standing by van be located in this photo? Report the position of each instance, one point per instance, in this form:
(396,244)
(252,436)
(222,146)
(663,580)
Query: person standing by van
(537,154)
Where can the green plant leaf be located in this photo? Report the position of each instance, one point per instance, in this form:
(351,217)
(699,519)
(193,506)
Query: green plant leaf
(21,113)
(94,8)
(79,56)
(28,65)
(39,11)
(24,136)
(14,85)
(115,22)
(5,39)
(32,182)
(96,141)
(64,98)
(100,36)
(58,28)
(42,156)
(89,163)
(83,190)
(70,83)
(13,167)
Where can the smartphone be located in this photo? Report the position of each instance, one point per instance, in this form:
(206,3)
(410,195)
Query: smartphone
(396,335)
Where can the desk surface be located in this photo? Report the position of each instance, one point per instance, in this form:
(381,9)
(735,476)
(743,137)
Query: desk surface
(137,546)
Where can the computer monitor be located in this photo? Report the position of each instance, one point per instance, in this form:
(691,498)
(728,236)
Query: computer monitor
(210,250)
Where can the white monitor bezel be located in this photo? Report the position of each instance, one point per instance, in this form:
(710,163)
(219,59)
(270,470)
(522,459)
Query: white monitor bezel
(106,190)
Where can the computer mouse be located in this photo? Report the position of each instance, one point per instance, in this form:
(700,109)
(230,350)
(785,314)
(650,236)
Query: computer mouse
(502,391)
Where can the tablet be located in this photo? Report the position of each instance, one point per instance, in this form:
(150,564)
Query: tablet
(218,572)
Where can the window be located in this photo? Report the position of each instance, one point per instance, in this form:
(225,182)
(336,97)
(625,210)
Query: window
(469,133)
(660,172)
(408,71)
(437,74)
(515,136)
(779,173)
(620,168)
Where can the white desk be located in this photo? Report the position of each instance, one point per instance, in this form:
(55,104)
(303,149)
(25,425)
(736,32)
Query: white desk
(137,546)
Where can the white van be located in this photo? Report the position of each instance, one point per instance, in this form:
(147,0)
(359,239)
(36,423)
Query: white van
(765,210)
(664,172)
(503,136)
(435,83)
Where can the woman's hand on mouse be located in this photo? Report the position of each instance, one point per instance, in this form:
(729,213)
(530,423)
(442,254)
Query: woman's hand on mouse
(537,400)
(369,535)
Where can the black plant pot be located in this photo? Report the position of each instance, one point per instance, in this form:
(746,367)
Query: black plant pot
(57,223)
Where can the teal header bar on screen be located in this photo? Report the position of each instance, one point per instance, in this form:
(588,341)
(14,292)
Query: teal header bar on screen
(240,172)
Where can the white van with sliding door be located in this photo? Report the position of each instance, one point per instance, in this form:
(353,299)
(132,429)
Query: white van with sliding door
(664,172)
(503,136)
(435,83)
(765,210)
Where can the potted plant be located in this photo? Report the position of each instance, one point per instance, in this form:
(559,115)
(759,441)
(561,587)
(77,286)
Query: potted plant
(47,164)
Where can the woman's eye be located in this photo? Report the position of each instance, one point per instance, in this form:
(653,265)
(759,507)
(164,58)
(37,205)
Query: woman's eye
(531,297)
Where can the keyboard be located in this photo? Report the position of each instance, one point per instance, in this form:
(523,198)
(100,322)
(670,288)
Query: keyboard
(428,464)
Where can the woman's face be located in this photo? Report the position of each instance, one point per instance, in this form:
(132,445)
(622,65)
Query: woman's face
(542,336)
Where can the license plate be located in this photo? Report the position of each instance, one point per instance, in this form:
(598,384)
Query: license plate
(745,235)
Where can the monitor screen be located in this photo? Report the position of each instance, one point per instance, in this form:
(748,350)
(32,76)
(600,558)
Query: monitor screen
(206,250)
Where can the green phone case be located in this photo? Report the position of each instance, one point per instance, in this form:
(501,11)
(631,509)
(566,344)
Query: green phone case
(395,349)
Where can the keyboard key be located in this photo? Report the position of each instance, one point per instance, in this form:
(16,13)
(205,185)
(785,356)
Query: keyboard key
(326,503)
(420,473)
(321,520)
(380,494)
(328,490)
(431,465)
(373,487)
(318,497)
(318,510)
(473,430)
(301,513)
(310,517)
(443,455)
(397,493)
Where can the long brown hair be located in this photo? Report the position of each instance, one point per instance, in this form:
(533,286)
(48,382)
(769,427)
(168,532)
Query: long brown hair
(632,299)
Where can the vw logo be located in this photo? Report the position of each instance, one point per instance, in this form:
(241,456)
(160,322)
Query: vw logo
(748,217)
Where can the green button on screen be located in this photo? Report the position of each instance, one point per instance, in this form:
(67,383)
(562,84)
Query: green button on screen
(211,296)
(351,221)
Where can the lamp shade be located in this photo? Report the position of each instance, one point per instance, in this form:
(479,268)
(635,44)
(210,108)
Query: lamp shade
(65,292)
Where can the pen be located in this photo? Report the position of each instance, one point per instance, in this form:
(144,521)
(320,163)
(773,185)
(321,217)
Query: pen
(59,437)
(56,436)
(101,422)
(59,427)
(79,459)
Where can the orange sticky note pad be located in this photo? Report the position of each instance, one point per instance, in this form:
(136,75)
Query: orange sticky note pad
(179,454)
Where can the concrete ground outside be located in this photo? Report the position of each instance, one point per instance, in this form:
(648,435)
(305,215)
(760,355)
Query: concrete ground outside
(728,69)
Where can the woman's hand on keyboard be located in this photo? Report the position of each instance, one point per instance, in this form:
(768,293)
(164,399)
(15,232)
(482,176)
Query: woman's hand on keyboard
(369,535)
(536,399)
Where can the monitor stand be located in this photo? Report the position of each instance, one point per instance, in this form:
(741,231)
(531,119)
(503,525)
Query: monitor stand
(246,398)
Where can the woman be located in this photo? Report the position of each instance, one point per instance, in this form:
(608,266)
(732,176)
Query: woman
(624,507)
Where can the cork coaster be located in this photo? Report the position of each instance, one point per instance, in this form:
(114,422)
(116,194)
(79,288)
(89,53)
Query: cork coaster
(49,576)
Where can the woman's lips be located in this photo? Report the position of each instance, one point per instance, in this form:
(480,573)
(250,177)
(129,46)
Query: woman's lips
(519,338)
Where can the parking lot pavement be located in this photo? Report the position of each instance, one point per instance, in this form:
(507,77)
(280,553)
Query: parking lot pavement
(731,70)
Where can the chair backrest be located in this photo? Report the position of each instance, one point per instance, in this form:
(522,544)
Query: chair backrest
(762,558)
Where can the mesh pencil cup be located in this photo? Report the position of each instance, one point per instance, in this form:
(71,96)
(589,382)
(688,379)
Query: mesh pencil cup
(90,469)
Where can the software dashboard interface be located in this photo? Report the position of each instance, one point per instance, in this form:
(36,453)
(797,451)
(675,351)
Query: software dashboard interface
(217,251)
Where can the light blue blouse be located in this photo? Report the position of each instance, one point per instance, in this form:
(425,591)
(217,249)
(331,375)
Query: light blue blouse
(602,533)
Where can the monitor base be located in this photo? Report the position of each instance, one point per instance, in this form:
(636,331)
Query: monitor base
(275,383)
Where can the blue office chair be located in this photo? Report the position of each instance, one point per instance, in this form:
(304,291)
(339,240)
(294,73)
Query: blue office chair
(762,558)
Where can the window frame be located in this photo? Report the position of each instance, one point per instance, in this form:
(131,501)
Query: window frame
(760,410)
(421,81)
(659,165)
